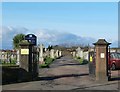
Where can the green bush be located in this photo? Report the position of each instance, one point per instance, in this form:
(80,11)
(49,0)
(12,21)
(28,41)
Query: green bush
(9,65)
(3,62)
(44,65)
(85,62)
(13,61)
(47,61)
(78,57)
(82,61)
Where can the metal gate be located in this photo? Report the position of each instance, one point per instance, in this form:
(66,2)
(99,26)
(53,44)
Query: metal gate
(108,65)
(92,64)
(35,65)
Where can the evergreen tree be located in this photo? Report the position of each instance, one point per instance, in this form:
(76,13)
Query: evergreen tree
(17,39)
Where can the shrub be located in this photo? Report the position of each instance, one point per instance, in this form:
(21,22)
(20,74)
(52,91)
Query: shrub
(78,57)
(47,61)
(82,61)
(85,62)
(44,66)
(13,61)
(3,62)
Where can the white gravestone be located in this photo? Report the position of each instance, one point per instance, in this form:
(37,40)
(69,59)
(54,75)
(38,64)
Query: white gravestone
(86,55)
(18,58)
(78,51)
(56,54)
(41,59)
(81,53)
(52,53)
(60,53)
(74,54)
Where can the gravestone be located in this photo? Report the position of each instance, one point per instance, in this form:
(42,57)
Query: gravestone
(56,54)
(60,53)
(101,47)
(45,49)
(79,52)
(41,59)
(52,53)
(47,53)
(18,58)
(85,55)
(74,54)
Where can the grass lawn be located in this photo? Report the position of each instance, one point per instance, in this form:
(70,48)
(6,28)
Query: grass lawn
(9,65)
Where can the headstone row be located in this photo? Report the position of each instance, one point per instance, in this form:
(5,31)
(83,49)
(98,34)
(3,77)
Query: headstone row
(80,53)
(46,53)
(7,55)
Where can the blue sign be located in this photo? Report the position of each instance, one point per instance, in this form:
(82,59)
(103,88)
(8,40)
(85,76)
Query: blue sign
(31,38)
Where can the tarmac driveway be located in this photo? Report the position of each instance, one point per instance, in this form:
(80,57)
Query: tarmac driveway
(64,74)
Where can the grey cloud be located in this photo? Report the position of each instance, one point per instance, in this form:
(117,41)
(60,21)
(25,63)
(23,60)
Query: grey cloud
(46,37)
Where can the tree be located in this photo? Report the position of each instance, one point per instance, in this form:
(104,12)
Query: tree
(50,47)
(17,39)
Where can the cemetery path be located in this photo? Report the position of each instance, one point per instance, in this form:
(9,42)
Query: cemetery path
(64,74)
(65,69)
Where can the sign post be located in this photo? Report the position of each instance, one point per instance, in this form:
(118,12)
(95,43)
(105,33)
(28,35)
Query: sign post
(31,38)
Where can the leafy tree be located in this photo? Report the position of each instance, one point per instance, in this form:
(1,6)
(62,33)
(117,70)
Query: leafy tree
(17,39)
(50,47)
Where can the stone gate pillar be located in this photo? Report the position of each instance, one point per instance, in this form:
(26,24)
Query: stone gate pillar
(101,48)
(26,55)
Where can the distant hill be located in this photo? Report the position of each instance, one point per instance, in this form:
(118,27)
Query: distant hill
(47,37)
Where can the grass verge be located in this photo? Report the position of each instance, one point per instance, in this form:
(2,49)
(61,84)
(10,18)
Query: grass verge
(81,60)
(47,61)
